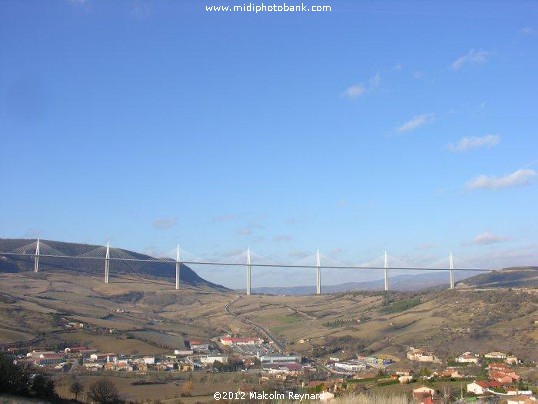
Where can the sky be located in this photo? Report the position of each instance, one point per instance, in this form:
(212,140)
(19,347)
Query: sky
(406,126)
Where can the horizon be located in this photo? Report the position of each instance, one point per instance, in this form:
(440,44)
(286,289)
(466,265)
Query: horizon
(404,126)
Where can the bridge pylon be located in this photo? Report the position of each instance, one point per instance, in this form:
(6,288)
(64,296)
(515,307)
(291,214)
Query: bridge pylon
(36,257)
(107,261)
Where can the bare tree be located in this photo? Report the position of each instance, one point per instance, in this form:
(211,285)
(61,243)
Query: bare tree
(104,392)
(76,388)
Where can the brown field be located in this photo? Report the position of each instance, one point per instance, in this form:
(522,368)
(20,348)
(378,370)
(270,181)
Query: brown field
(132,315)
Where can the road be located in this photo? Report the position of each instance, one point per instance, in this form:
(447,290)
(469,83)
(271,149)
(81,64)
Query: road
(228,308)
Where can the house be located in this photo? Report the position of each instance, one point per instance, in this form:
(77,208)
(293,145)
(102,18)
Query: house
(50,359)
(495,355)
(420,355)
(511,360)
(500,367)
(467,357)
(198,346)
(482,387)
(501,377)
(183,352)
(103,357)
(405,379)
(425,395)
(452,373)
(149,360)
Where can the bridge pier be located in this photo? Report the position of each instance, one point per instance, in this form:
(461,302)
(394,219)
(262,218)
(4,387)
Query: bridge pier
(107,261)
(36,257)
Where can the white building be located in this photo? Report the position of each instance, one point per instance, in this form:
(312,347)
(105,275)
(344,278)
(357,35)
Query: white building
(467,357)
(350,366)
(149,360)
(495,355)
(279,359)
(477,388)
(210,359)
(419,355)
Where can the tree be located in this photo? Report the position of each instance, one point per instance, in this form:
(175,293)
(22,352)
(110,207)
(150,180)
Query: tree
(186,389)
(76,388)
(104,392)
(42,387)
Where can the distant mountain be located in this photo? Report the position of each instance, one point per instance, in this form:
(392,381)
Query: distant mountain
(505,278)
(12,263)
(425,280)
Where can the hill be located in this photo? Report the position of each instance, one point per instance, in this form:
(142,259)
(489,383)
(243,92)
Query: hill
(14,264)
(505,278)
(407,282)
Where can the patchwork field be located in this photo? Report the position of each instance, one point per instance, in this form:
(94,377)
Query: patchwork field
(133,314)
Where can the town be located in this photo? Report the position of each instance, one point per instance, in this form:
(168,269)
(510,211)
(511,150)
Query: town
(487,376)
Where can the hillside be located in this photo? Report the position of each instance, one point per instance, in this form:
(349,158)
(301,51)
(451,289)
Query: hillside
(14,264)
(505,278)
(424,280)
(149,316)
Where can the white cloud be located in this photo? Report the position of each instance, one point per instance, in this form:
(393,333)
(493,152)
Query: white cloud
(474,142)
(416,122)
(472,58)
(359,90)
(488,238)
(517,178)
(355,91)
(165,223)
(528,31)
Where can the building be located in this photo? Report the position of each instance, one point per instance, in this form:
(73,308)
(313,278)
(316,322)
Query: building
(495,355)
(482,387)
(229,341)
(149,360)
(350,366)
(420,355)
(426,395)
(49,359)
(199,346)
(279,359)
(210,359)
(405,379)
(512,360)
(183,352)
(467,357)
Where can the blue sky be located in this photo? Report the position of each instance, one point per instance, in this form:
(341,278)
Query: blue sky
(406,126)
